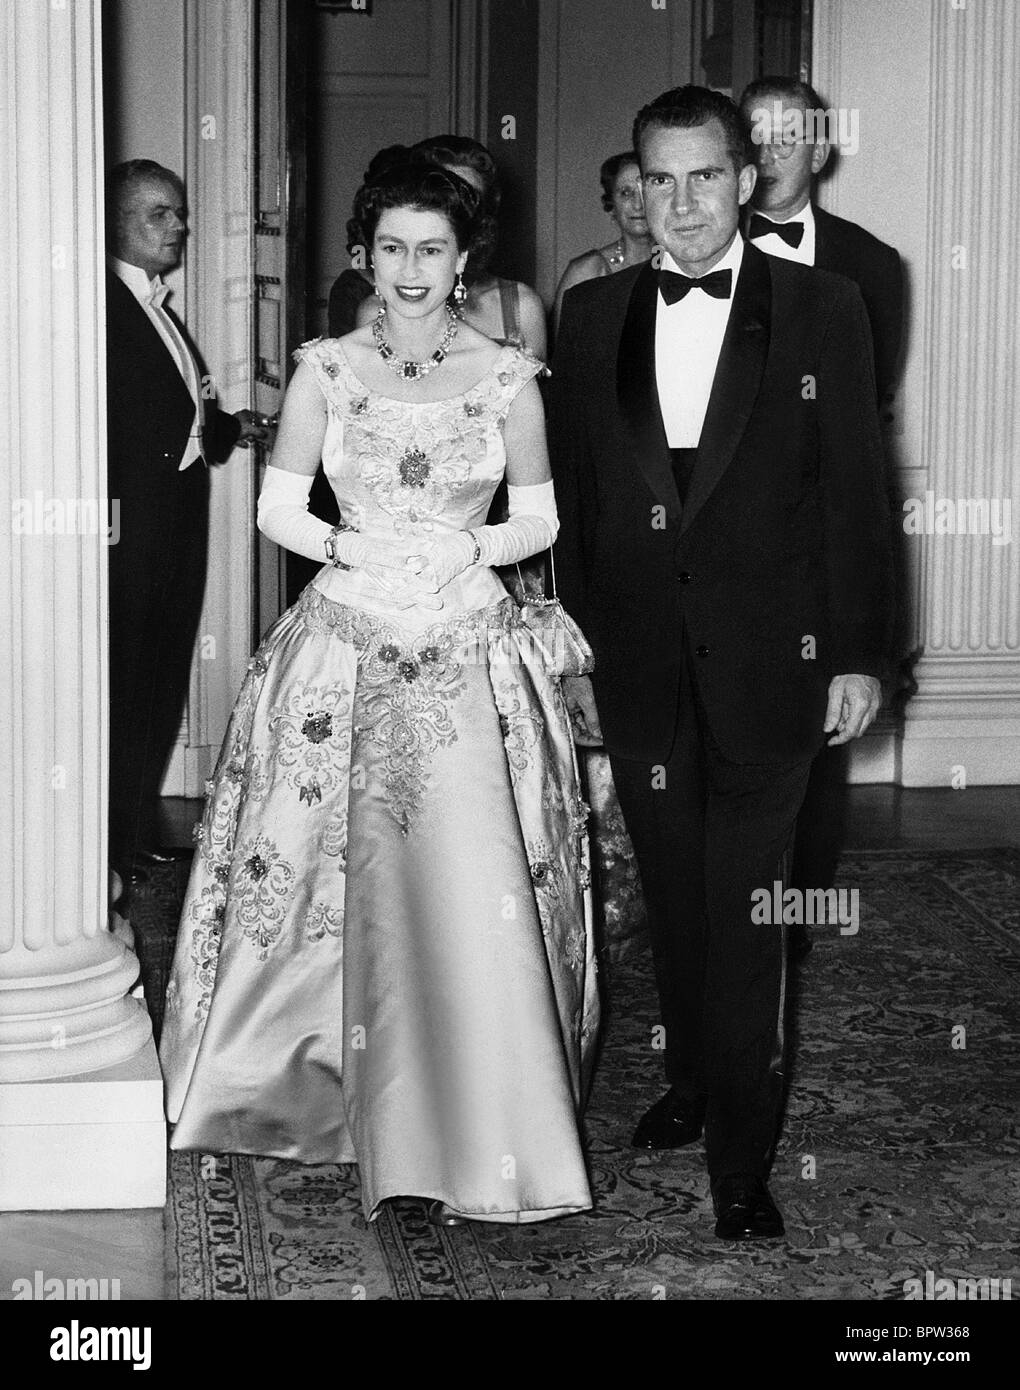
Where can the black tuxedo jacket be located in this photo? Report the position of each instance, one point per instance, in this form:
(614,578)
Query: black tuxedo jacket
(777,570)
(876,269)
(149,408)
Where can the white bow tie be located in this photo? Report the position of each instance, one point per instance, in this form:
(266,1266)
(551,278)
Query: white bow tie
(157,295)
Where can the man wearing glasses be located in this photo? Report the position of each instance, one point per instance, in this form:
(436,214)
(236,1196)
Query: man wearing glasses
(786,118)
(789,129)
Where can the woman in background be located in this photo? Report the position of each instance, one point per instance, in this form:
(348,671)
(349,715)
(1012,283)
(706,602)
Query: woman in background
(504,310)
(622,198)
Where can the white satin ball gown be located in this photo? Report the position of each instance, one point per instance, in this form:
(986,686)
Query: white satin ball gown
(385,955)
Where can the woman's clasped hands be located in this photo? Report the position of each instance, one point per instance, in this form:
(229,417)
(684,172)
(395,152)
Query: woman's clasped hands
(411,572)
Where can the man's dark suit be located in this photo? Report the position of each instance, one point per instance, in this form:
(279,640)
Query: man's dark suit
(717,625)
(876,269)
(157,567)
(847,249)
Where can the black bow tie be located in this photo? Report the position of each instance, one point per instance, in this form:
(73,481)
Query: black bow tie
(791,232)
(673,287)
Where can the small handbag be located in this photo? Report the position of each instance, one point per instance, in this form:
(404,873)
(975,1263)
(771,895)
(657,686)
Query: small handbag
(562,644)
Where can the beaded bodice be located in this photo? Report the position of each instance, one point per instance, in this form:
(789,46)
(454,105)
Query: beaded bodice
(402,470)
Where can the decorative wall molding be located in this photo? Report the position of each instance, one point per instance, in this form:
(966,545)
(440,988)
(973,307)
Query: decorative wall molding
(469,92)
(217,172)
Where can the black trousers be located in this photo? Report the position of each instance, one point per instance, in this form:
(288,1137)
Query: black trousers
(157,579)
(707,832)
(821,822)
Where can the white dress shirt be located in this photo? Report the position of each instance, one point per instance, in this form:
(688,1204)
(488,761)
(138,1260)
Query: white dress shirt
(776,246)
(150,295)
(688,339)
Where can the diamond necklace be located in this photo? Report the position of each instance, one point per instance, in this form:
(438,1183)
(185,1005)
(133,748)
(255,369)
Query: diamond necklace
(406,368)
(617,253)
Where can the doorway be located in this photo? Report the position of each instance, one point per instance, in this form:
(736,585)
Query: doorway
(390,72)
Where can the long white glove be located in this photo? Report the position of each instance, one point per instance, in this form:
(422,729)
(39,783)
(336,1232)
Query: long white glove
(283,514)
(532,527)
(284,517)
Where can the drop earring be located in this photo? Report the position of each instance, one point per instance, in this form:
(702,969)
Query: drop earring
(460,293)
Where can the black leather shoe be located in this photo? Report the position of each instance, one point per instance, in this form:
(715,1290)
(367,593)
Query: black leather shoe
(744,1210)
(439,1214)
(671,1123)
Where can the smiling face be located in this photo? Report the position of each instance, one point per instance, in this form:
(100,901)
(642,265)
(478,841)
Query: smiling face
(416,260)
(693,194)
(629,202)
(151,226)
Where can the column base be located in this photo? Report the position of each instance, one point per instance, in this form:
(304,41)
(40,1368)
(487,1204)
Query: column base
(65,1010)
(961,753)
(962,728)
(89,1142)
(942,752)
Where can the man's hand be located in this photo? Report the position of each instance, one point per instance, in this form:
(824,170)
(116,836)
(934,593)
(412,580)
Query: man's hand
(255,429)
(853,703)
(584,717)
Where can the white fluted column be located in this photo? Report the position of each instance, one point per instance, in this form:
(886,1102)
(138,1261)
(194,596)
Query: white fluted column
(936,86)
(65,1004)
(963,725)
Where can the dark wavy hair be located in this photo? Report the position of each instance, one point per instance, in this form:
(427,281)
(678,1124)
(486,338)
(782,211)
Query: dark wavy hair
(609,171)
(400,177)
(453,151)
(683,108)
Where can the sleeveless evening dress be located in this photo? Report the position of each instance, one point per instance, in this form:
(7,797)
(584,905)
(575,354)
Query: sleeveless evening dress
(385,954)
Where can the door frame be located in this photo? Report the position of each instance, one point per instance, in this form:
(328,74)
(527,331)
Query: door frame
(217,106)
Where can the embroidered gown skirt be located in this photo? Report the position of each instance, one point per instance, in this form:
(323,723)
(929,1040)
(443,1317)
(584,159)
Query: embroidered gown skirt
(385,955)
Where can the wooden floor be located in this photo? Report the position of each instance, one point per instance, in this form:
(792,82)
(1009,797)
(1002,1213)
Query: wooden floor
(876,818)
(128,1245)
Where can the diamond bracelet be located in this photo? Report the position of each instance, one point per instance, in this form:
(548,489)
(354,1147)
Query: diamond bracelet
(330,544)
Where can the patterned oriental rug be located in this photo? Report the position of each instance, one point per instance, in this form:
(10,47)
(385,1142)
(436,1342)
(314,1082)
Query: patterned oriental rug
(898,1154)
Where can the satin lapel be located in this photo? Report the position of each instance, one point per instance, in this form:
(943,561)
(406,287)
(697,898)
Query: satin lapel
(637,395)
(737,379)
